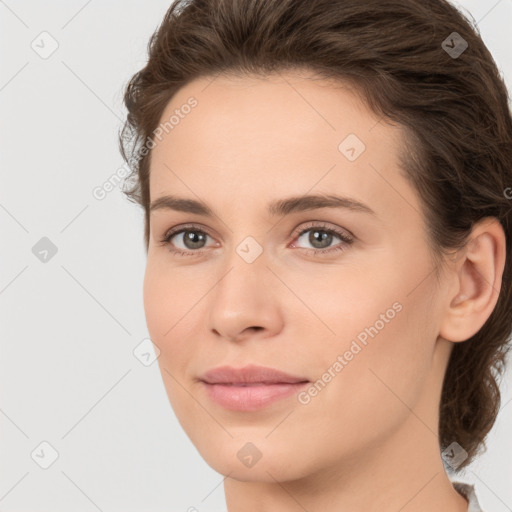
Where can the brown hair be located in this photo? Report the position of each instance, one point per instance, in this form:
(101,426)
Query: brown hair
(453,108)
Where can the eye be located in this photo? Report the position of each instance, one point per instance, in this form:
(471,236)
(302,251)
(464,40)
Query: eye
(191,239)
(321,237)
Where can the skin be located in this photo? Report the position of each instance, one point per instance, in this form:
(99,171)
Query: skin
(368,440)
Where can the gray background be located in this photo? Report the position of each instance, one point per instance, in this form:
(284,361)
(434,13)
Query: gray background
(68,374)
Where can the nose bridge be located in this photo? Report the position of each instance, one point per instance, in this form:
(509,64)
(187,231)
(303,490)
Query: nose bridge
(246,272)
(245,247)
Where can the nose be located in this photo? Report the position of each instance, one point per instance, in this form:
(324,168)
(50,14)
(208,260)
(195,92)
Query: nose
(245,303)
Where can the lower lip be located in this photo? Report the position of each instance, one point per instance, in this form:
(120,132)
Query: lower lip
(250,398)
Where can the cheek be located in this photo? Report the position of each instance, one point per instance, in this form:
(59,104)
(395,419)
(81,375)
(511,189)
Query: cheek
(379,381)
(385,336)
(158,303)
(383,341)
(166,303)
(168,306)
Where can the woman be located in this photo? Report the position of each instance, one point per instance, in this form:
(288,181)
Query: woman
(327,223)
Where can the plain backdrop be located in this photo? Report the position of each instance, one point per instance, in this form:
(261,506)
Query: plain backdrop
(74,395)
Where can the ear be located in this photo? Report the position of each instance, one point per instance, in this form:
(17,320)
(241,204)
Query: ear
(476,281)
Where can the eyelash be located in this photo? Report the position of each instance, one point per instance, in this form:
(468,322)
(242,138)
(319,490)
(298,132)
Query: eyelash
(346,239)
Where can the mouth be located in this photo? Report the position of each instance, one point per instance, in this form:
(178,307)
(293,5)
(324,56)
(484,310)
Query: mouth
(250,388)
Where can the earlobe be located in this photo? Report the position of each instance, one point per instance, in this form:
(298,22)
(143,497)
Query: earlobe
(478,282)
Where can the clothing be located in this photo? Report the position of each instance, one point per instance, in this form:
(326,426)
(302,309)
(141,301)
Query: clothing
(468,491)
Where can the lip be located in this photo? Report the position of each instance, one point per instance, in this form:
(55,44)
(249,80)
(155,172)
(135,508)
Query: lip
(248,375)
(250,388)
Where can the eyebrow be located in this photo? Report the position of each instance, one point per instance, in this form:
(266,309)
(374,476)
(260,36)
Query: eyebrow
(274,208)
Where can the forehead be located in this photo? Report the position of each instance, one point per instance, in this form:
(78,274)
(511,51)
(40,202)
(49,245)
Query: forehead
(277,135)
(272,113)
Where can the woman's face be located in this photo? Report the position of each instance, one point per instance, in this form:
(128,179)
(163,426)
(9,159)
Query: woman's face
(359,318)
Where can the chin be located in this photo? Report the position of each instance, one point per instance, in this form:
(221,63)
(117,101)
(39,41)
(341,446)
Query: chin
(253,462)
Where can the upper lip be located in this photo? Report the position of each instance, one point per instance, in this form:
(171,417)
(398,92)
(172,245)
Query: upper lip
(249,374)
